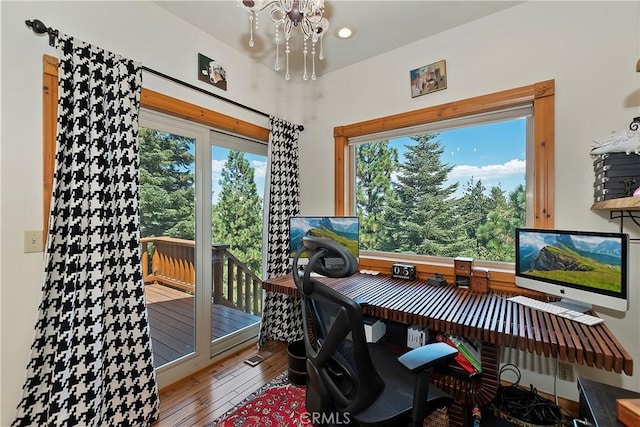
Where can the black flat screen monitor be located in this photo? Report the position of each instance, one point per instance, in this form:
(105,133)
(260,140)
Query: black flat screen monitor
(342,229)
(584,268)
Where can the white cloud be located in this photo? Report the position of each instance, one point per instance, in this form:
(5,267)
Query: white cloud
(513,167)
(260,168)
(216,170)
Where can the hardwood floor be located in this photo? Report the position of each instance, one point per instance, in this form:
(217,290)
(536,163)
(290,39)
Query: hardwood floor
(204,396)
(207,394)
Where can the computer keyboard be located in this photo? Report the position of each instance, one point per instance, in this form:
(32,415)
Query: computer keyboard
(557,310)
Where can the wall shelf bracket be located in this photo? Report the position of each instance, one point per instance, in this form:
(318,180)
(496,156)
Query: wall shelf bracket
(621,215)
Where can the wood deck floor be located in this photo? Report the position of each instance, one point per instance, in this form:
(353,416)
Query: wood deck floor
(171,318)
(206,395)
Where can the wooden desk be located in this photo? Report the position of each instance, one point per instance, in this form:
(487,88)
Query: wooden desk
(488,317)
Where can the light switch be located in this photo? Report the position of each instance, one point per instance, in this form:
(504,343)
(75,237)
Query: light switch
(33,241)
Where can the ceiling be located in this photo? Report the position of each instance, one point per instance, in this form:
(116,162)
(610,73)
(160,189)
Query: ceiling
(380,26)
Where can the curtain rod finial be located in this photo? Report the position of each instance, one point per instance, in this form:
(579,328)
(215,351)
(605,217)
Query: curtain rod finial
(37,26)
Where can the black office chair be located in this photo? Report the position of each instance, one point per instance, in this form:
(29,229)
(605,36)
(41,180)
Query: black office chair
(364,383)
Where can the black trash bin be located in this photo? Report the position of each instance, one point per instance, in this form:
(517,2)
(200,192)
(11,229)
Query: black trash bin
(297,363)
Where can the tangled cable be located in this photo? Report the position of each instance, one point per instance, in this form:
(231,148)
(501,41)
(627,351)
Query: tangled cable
(525,405)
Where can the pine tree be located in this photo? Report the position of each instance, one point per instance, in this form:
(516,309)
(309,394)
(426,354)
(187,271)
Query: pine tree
(473,208)
(237,217)
(518,203)
(167,195)
(421,218)
(497,234)
(375,164)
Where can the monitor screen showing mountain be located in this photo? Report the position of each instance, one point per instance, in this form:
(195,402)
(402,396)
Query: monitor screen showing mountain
(342,229)
(580,265)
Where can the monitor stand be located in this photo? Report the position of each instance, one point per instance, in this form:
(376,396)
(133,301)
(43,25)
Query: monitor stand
(574,305)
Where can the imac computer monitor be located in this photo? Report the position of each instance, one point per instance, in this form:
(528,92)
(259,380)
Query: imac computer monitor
(342,229)
(583,268)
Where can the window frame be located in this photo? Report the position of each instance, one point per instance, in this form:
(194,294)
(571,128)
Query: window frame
(540,95)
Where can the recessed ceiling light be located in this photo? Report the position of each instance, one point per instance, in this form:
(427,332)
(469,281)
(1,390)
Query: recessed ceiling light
(345,32)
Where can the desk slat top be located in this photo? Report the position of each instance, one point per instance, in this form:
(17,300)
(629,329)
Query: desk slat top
(489,317)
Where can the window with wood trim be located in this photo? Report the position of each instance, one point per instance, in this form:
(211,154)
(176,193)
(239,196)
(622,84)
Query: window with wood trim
(534,103)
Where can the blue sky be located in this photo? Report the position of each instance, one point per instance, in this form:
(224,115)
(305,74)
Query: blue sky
(493,152)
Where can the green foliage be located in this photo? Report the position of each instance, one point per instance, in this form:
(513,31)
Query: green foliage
(167,206)
(237,217)
(167,197)
(421,217)
(417,212)
(518,204)
(375,163)
(471,211)
(496,234)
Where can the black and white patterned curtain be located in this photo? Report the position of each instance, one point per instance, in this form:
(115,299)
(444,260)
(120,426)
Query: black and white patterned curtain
(91,362)
(282,314)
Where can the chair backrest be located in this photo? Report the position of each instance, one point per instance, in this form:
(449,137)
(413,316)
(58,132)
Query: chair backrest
(341,375)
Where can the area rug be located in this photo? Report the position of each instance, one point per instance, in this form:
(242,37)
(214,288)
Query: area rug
(278,403)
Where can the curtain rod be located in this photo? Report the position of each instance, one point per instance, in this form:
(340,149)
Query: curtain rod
(39,27)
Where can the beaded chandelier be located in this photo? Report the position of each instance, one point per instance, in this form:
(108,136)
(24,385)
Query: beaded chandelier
(287,15)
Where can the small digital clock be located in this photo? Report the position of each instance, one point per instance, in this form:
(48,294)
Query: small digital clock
(403,271)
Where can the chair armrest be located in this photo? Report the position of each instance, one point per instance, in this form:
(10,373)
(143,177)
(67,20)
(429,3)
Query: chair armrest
(424,357)
(361,301)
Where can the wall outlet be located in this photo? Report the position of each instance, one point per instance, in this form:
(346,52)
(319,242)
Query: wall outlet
(565,371)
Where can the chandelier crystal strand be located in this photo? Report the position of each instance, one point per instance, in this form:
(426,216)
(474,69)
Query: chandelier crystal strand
(287,76)
(305,76)
(306,15)
(251,20)
(277,64)
(313,60)
(321,31)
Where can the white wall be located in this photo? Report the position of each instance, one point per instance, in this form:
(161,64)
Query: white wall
(589,48)
(139,30)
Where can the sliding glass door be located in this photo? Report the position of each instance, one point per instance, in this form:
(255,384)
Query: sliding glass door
(176,252)
(201,240)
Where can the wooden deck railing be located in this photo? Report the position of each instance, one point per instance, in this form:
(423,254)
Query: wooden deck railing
(170,261)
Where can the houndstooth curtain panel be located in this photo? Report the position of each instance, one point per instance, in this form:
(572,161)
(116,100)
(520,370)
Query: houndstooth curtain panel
(91,361)
(281,314)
